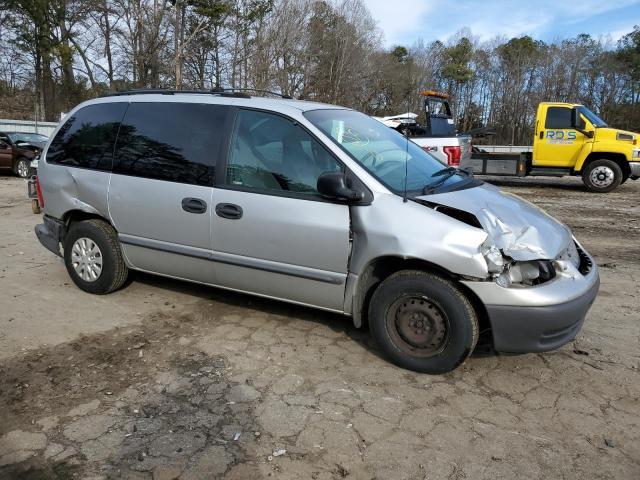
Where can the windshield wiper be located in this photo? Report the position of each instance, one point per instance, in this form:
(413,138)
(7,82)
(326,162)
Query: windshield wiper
(444,171)
(444,175)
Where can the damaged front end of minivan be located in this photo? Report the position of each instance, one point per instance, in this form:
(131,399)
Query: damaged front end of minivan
(540,281)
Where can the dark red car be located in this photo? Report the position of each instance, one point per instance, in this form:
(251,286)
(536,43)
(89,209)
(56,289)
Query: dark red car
(17,149)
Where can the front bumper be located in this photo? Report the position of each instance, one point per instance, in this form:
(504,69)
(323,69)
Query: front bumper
(543,317)
(539,329)
(50,233)
(635,170)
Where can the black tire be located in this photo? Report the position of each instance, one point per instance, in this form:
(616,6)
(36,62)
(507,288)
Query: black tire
(444,328)
(602,176)
(114,269)
(22,165)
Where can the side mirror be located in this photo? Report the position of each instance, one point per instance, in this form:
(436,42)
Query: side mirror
(576,120)
(337,186)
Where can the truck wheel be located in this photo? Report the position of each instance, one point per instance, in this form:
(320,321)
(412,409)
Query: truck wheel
(423,322)
(602,176)
(93,257)
(21,167)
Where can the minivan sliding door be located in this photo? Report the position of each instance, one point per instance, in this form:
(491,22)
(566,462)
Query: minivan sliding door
(160,193)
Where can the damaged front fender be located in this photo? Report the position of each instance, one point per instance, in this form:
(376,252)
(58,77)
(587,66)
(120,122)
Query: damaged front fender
(516,227)
(408,230)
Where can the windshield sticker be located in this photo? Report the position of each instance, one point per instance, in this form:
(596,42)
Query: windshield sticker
(560,137)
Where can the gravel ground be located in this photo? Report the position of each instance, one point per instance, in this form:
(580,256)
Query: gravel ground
(169,380)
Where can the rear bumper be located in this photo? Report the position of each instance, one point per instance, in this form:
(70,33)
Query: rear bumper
(50,233)
(539,329)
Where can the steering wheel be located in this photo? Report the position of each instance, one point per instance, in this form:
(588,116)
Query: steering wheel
(371,154)
(375,155)
(386,167)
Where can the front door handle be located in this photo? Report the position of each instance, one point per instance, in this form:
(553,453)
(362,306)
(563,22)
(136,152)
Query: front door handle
(194,205)
(541,134)
(229,210)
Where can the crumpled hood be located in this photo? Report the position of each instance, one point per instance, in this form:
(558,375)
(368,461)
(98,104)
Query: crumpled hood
(517,227)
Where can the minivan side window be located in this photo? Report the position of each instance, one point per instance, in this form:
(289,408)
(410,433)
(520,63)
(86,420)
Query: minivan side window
(86,138)
(176,142)
(558,117)
(271,153)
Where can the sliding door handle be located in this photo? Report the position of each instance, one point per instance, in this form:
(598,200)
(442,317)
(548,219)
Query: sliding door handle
(194,205)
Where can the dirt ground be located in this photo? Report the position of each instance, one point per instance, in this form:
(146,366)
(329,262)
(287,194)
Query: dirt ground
(169,380)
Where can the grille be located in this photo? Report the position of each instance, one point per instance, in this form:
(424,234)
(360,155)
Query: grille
(585,262)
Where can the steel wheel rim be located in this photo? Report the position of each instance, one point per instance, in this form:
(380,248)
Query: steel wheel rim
(418,325)
(23,169)
(86,259)
(602,176)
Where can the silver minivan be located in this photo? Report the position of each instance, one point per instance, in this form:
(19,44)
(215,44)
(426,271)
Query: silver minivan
(311,204)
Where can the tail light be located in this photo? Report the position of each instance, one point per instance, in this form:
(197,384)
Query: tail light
(453,155)
(39,192)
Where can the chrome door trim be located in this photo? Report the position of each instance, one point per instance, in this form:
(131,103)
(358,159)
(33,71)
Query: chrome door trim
(237,260)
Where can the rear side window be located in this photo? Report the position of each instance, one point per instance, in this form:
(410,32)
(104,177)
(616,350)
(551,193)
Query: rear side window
(87,138)
(176,142)
(558,117)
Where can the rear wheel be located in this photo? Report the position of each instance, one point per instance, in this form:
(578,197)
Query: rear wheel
(21,167)
(93,257)
(602,175)
(423,322)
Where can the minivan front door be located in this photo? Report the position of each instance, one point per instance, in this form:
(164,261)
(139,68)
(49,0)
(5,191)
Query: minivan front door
(160,192)
(272,233)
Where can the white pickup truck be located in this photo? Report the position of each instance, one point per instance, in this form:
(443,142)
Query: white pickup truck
(438,135)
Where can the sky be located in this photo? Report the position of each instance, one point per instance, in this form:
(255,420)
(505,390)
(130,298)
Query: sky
(404,21)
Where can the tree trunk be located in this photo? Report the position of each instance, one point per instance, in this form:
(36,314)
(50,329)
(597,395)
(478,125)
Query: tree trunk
(177,43)
(107,41)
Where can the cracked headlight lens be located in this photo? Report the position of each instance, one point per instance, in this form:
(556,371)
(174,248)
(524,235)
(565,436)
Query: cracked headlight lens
(526,274)
(570,254)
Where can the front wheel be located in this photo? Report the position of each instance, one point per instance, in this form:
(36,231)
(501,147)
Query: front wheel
(21,168)
(423,322)
(93,257)
(602,176)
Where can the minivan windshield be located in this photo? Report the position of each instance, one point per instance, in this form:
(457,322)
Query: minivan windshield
(385,153)
(595,120)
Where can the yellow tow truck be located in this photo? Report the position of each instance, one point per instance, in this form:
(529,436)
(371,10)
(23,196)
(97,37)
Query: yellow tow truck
(569,139)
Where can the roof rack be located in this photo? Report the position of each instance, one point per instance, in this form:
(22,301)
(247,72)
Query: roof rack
(225,92)
(281,95)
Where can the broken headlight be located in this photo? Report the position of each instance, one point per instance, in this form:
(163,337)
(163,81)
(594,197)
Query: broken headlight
(506,272)
(571,255)
(527,274)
